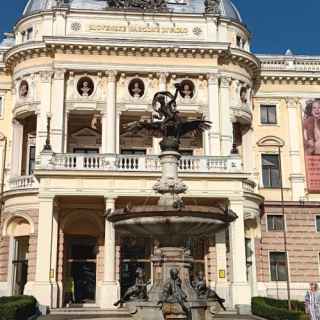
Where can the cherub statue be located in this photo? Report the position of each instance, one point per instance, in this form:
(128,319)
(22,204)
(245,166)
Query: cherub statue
(138,291)
(172,293)
(199,284)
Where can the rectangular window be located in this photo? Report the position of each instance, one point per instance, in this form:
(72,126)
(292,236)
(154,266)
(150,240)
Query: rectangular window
(86,150)
(137,152)
(278,266)
(1,107)
(318,223)
(32,159)
(275,223)
(268,114)
(271,170)
(23,36)
(29,33)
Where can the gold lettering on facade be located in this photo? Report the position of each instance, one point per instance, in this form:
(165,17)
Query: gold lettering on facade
(136,29)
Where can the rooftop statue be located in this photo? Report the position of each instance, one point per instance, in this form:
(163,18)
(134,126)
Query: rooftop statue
(167,123)
(139,4)
(212,6)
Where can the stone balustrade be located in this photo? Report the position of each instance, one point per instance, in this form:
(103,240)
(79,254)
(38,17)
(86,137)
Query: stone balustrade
(134,163)
(22,183)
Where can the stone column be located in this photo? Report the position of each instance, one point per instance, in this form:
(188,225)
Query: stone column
(65,131)
(110,289)
(57,111)
(240,289)
(248,151)
(162,87)
(118,120)
(109,117)
(44,109)
(221,252)
(16,148)
(45,285)
(296,176)
(225,117)
(214,115)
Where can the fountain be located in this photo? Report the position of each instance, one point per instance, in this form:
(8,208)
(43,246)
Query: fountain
(172,295)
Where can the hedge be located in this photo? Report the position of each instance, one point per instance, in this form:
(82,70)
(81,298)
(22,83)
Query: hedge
(17,307)
(273,309)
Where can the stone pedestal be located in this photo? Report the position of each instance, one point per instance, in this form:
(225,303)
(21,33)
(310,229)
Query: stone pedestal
(164,260)
(170,186)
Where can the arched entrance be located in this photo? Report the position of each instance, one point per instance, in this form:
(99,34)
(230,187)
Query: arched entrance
(81,236)
(19,230)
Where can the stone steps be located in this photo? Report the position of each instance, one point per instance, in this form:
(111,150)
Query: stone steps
(87,313)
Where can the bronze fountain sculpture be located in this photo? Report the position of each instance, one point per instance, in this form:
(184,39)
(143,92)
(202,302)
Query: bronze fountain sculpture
(172,295)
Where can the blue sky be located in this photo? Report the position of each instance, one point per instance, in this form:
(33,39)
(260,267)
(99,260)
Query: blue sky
(276,25)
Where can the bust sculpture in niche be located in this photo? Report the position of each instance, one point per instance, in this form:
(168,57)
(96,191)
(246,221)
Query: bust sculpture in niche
(187,89)
(136,88)
(243,95)
(23,89)
(85,87)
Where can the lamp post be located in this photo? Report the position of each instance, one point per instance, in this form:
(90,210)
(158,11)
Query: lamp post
(4,156)
(284,227)
(47,147)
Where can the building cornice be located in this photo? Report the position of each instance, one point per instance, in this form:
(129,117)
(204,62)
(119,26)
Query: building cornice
(131,47)
(290,69)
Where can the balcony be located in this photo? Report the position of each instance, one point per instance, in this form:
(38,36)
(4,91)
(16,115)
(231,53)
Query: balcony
(136,163)
(22,183)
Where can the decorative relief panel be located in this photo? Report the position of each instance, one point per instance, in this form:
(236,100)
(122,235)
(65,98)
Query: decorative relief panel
(136,92)
(194,93)
(86,91)
(26,89)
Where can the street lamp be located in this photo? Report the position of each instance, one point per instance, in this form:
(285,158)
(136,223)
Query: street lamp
(284,227)
(4,156)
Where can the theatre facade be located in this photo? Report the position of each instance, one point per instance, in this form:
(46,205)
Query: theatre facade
(74,74)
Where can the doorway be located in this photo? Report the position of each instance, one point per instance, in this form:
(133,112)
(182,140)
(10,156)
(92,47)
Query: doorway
(20,264)
(81,269)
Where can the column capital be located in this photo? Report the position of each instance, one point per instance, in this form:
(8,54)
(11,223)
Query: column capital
(110,202)
(59,74)
(292,102)
(163,76)
(46,76)
(213,79)
(112,74)
(225,82)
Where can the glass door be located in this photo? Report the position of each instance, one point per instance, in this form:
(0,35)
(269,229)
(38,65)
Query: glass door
(20,264)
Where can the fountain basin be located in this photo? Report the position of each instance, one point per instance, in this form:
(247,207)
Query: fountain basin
(164,220)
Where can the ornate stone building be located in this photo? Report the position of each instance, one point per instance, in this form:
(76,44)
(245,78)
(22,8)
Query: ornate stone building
(74,73)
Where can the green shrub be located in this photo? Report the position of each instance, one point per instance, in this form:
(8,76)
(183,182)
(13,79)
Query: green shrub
(17,307)
(274,309)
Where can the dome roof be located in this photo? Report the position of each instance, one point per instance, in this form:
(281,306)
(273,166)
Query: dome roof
(227,8)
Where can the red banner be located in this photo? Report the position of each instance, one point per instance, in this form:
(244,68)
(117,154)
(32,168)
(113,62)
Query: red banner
(313,173)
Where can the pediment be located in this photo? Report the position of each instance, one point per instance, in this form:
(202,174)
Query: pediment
(86,132)
(270,141)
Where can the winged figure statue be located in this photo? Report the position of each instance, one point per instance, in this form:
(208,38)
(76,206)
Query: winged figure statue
(167,121)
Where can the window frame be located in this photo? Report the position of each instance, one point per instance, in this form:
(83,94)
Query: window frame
(315,222)
(280,173)
(275,215)
(2,106)
(275,106)
(287,270)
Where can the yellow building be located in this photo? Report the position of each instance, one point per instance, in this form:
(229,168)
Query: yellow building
(74,73)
